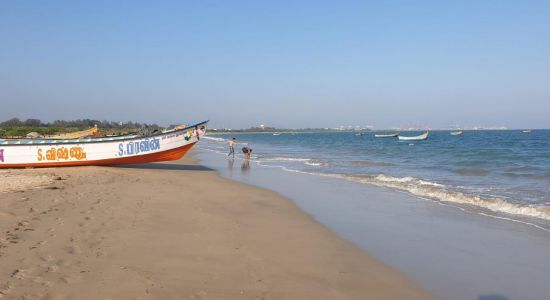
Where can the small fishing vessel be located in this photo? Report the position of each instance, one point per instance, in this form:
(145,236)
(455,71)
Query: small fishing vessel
(527,131)
(136,149)
(414,138)
(391,135)
(456,132)
(359,134)
(276,134)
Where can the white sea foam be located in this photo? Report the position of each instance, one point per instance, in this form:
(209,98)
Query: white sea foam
(287,159)
(440,192)
(517,221)
(306,161)
(214,139)
(412,180)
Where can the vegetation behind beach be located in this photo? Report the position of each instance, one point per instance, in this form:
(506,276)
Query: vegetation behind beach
(19,128)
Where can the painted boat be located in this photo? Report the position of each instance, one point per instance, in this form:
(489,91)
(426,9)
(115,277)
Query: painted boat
(414,138)
(456,132)
(386,135)
(169,145)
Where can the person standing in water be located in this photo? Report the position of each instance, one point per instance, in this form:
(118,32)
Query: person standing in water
(232,148)
(247,151)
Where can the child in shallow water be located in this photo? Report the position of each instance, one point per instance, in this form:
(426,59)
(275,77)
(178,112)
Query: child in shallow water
(247,152)
(232,147)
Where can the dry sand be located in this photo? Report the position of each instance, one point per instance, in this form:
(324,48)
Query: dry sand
(22,180)
(173,231)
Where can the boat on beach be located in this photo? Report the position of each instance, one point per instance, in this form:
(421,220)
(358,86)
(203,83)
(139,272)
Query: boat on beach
(391,135)
(456,132)
(118,150)
(414,138)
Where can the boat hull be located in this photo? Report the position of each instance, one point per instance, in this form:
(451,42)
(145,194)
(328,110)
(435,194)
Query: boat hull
(101,152)
(414,138)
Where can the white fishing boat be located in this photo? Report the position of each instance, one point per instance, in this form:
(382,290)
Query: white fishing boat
(391,135)
(136,149)
(276,134)
(456,132)
(527,131)
(414,138)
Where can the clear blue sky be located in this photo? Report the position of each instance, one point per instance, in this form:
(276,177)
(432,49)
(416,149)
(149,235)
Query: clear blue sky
(283,63)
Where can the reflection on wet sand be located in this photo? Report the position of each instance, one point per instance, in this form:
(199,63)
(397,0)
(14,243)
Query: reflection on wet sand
(245,167)
(230,162)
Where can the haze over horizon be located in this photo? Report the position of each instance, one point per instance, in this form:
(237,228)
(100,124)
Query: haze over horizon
(283,64)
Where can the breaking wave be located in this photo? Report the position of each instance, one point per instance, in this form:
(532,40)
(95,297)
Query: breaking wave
(287,159)
(442,193)
(306,161)
(431,190)
(214,139)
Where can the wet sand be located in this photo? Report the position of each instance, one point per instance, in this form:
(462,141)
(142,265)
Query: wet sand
(453,252)
(174,231)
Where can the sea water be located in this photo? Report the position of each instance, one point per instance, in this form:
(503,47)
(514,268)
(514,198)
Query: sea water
(504,174)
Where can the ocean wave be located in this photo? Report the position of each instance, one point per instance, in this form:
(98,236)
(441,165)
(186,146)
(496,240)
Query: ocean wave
(214,139)
(426,189)
(542,177)
(472,171)
(518,175)
(442,193)
(314,164)
(409,180)
(371,163)
(287,159)
(306,161)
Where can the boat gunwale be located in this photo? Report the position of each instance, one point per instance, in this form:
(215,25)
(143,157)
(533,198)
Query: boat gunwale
(39,142)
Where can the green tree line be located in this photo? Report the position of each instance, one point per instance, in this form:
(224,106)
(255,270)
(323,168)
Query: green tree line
(19,128)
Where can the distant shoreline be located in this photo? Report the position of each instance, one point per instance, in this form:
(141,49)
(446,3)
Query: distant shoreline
(239,131)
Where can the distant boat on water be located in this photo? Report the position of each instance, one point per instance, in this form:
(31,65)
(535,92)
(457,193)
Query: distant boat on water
(527,131)
(276,134)
(414,138)
(456,132)
(391,135)
(359,134)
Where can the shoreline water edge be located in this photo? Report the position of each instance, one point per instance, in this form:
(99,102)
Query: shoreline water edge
(504,176)
(172,230)
(454,251)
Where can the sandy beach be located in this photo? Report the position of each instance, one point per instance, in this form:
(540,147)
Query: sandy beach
(172,231)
